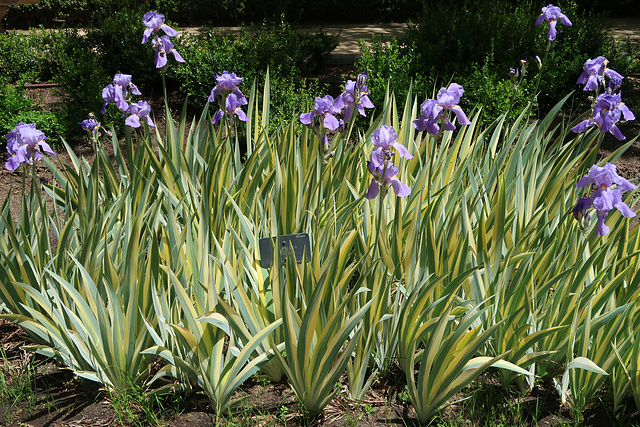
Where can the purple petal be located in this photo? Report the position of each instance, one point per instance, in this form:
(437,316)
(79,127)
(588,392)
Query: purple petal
(626,112)
(216,119)
(169,31)
(602,229)
(160,60)
(615,131)
(402,151)
(46,148)
(133,121)
(462,118)
(551,35)
(400,188)
(330,122)
(373,190)
(307,118)
(241,115)
(565,20)
(582,126)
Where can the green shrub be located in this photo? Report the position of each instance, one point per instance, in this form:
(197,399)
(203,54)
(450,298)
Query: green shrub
(289,55)
(387,61)
(16,107)
(494,93)
(79,70)
(475,43)
(23,58)
(118,42)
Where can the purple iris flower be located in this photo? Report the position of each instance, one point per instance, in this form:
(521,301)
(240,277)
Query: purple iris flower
(603,202)
(225,83)
(109,96)
(594,72)
(603,177)
(119,92)
(232,107)
(607,111)
(25,144)
(384,176)
(552,14)
(426,121)
(139,110)
(324,108)
(386,138)
(355,95)
(604,198)
(164,46)
(90,125)
(434,110)
(154,22)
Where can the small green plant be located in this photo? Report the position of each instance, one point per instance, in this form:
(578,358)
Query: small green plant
(17,384)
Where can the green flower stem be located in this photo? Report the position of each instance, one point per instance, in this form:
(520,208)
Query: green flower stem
(544,61)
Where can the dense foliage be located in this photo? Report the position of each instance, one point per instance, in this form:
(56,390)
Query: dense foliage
(82,62)
(441,247)
(211,12)
(478,42)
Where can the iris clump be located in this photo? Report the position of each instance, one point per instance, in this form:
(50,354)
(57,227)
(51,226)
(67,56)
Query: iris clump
(119,93)
(552,14)
(608,108)
(607,194)
(26,144)
(435,111)
(385,139)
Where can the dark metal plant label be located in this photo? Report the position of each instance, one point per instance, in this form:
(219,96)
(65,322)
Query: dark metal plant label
(283,244)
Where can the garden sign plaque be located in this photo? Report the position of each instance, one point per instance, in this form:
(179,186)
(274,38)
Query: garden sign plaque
(298,242)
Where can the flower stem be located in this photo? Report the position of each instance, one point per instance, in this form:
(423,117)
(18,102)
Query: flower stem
(544,61)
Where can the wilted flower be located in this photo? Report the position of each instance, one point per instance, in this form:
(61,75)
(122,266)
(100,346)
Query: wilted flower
(154,22)
(580,210)
(607,111)
(604,198)
(139,110)
(324,108)
(232,107)
(164,46)
(355,95)
(384,174)
(552,14)
(25,144)
(434,110)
